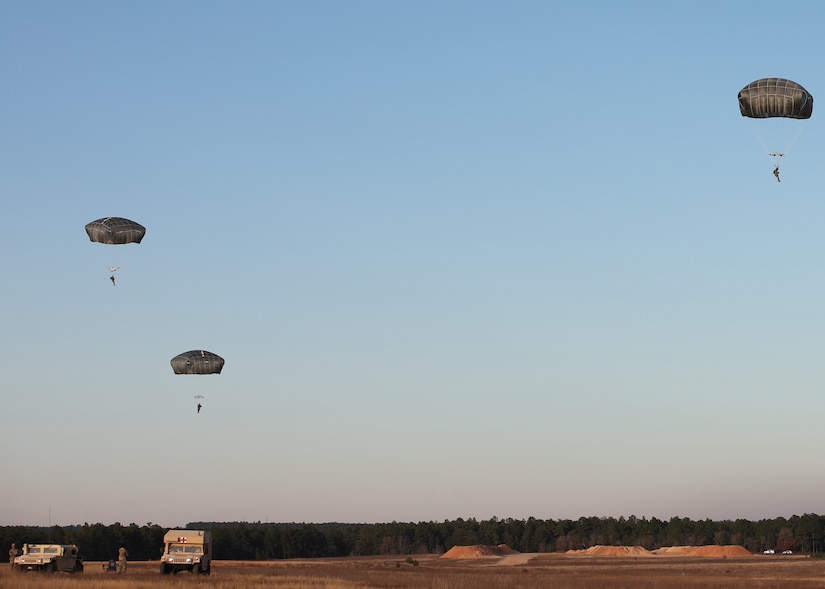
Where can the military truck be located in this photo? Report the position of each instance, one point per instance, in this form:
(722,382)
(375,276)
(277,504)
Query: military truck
(49,558)
(186,550)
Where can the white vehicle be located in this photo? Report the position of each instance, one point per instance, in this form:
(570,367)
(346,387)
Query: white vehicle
(49,558)
(770,551)
(186,550)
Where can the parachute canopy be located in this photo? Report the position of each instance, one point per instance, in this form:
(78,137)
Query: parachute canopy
(775,97)
(115,231)
(197,362)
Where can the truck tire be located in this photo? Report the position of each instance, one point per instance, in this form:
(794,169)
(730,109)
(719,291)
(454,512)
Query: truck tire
(163,569)
(196,569)
(50,568)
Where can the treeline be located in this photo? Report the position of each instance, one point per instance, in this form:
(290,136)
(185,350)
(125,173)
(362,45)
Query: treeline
(269,541)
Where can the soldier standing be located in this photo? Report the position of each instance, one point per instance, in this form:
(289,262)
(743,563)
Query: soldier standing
(121,560)
(13,552)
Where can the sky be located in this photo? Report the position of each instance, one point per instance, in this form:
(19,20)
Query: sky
(464,259)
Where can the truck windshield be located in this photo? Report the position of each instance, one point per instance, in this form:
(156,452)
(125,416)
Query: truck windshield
(193,549)
(50,550)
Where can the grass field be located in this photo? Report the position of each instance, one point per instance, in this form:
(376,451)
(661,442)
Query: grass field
(520,571)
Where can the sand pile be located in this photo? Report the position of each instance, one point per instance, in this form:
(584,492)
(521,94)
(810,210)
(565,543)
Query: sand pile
(612,551)
(478,551)
(713,551)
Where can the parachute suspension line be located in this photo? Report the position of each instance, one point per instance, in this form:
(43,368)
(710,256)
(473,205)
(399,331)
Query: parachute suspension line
(758,136)
(798,133)
(775,157)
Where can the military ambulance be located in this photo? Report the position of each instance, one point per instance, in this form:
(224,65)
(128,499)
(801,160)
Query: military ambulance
(186,550)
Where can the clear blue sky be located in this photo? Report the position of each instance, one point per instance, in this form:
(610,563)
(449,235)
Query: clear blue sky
(463,259)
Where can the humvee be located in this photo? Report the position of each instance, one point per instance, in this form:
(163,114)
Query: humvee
(49,558)
(186,550)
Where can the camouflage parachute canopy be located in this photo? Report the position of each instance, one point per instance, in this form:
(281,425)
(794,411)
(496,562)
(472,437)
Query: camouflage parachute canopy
(775,97)
(115,231)
(197,362)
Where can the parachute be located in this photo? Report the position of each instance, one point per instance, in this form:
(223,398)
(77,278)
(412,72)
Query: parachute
(197,362)
(775,98)
(115,231)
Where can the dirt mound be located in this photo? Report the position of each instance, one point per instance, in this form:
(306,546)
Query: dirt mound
(712,551)
(612,551)
(478,551)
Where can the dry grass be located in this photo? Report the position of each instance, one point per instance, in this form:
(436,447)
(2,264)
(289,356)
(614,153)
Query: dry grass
(519,571)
